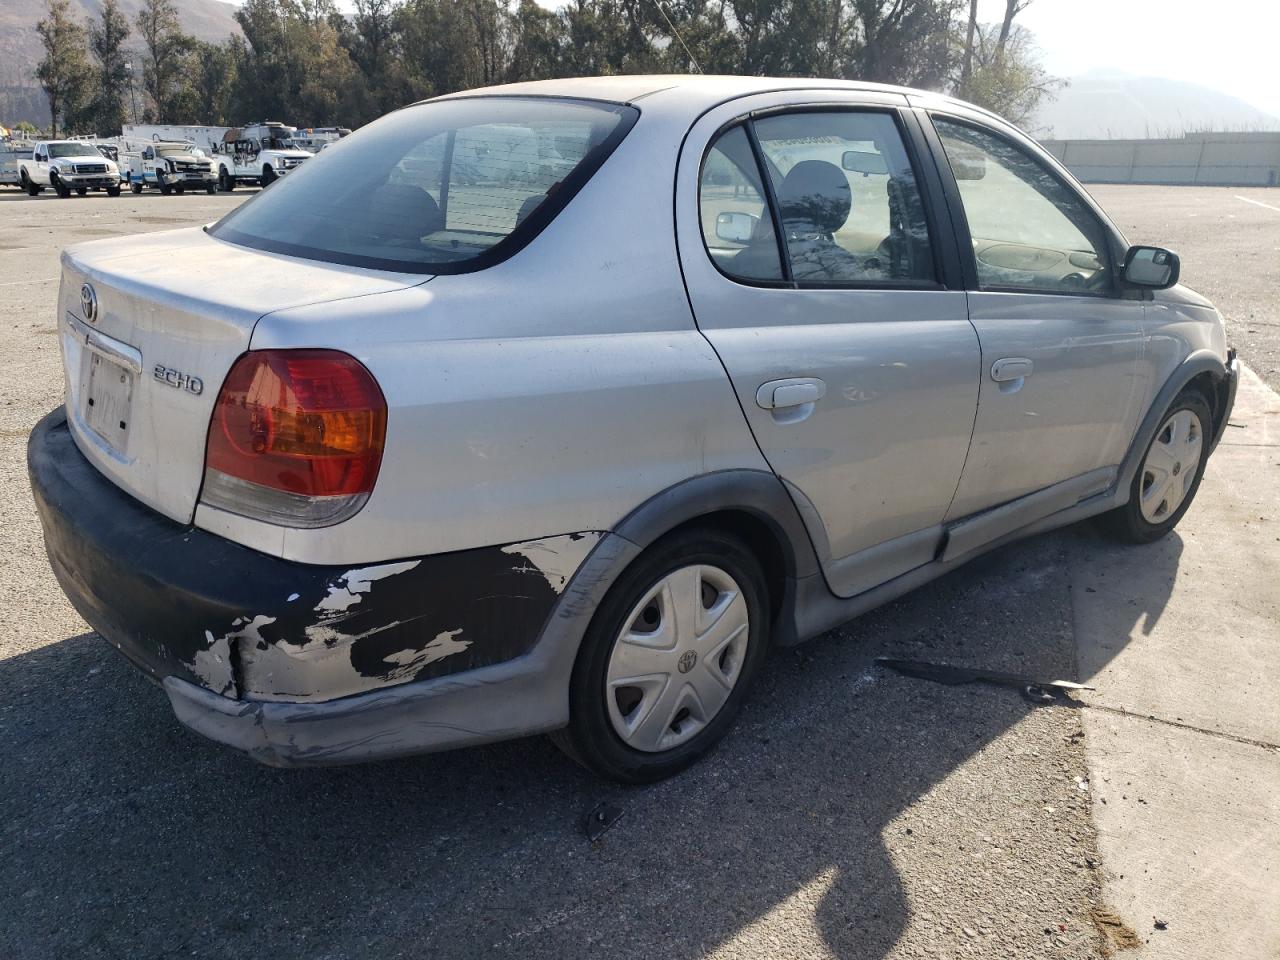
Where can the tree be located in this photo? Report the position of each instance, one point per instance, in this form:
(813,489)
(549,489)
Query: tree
(1007,77)
(165,48)
(64,71)
(106,40)
(213,70)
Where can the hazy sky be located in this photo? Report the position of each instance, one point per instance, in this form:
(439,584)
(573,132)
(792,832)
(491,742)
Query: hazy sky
(1230,45)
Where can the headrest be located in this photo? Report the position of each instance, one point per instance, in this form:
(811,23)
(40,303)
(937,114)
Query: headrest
(402,211)
(815,195)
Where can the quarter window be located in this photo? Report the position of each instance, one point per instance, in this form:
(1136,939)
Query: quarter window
(736,225)
(1029,230)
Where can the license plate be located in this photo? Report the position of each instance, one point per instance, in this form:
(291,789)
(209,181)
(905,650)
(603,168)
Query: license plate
(107,400)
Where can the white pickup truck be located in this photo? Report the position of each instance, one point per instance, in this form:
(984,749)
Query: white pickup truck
(67,165)
(172,166)
(259,153)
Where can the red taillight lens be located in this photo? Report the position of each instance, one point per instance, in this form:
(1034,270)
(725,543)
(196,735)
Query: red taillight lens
(309,423)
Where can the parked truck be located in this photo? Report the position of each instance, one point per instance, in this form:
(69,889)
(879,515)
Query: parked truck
(172,166)
(67,166)
(257,153)
(12,150)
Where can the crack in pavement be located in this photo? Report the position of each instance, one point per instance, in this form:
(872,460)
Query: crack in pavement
(1152,718)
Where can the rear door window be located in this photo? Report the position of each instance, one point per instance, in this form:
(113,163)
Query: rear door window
(842,189)
(443,187)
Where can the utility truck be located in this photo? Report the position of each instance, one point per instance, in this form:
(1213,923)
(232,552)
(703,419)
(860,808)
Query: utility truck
(172,166)
(66,166)
(257,153)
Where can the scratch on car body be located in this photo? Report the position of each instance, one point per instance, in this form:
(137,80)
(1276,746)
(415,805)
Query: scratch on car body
(554,558)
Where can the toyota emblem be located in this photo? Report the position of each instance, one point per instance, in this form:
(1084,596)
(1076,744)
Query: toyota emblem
(89,303)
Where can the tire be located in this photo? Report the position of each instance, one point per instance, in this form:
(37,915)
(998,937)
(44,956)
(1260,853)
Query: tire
(268,176)
(62,189)
(165,189)
(178,190)
(211,189)
(705,561)
(135,187)
(82,191)
(114,191)
(226,182)
(33,189)
(1162,491)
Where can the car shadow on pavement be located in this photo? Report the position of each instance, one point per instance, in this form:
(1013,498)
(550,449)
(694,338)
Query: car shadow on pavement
(850,811)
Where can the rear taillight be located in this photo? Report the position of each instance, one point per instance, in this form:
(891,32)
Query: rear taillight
(296,438)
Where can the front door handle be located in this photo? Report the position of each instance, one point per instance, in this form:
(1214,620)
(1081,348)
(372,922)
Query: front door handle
(792,392)
(1011,368)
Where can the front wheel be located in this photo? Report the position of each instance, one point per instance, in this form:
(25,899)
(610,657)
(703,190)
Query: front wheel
(165,189)
(667,659)
(226,182)
(1169,476)
(268,176)
(62,189)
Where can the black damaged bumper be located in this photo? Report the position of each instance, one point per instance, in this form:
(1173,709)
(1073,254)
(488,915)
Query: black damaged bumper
(253,649)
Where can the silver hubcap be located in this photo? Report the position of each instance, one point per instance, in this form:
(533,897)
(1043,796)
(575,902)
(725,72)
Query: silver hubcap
(677,659)
(1171,466)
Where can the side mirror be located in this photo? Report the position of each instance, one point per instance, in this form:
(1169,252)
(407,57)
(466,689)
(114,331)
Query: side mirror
(736,227)
(1151,267)
(864,162)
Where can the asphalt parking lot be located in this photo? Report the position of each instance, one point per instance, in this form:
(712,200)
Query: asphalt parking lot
(852,813)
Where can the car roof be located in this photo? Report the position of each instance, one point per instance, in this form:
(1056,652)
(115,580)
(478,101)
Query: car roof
(681,91)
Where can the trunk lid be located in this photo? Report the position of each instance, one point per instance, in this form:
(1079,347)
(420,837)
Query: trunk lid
(146,350)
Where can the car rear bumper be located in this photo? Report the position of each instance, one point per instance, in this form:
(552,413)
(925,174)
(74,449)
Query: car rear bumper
(304,664)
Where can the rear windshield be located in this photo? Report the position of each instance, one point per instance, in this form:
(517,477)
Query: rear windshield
(443,187)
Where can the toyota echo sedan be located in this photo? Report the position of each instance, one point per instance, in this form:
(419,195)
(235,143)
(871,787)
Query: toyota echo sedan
(551,407)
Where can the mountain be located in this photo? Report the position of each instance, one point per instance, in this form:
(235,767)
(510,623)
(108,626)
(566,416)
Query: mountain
(22,99)
(1107,105)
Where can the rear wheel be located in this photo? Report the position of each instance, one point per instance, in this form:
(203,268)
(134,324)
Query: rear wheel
(81,191)
(1169,476)
(114,191)
(211,189)
(667,659)
(135,187)
(178,190)
(33,189)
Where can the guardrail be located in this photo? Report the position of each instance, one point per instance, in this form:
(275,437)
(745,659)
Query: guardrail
(1218,159)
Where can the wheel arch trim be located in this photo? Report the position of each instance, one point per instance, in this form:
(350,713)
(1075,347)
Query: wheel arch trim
(1196,364)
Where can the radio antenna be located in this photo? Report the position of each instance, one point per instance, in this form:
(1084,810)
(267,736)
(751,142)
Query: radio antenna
(676,33)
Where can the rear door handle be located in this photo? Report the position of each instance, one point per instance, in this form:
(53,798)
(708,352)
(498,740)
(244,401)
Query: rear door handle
(1011,368)
(792,392)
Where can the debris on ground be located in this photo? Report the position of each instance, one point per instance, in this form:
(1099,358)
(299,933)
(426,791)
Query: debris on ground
(1161,924)
(599,819)
(1033,690)
(1116,934)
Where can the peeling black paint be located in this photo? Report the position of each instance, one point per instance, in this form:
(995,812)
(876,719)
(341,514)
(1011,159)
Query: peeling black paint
(167,594)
